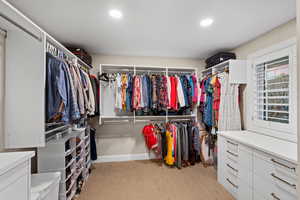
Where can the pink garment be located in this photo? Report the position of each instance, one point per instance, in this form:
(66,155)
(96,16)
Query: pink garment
(195,97)
(202,97)
(136,97)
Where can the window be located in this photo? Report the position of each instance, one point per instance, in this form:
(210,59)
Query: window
(272,90)
(272,97)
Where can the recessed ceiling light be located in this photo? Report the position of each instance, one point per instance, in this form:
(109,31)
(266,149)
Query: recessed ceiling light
(114,13)
(206,22)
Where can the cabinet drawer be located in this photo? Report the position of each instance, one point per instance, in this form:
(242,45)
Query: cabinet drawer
(283,195)
(263,186)
(274,164)
(231,146)
(232,155)
(231,166)
(231,185)
(270,188)
(279,176)
(14,174)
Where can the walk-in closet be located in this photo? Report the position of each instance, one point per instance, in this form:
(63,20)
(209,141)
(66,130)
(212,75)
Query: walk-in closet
(130,100)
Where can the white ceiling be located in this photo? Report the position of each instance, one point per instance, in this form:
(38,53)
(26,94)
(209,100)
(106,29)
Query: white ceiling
(167,28)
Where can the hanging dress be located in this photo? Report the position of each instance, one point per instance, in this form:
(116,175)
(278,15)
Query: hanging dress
(229,112)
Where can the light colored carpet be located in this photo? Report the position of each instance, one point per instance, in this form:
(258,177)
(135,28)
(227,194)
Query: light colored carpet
(148,180)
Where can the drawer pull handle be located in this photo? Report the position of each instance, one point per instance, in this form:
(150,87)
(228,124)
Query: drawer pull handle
(232,168)
(232,143)
(274,196)
(283,165)
(234,185)
(232,153)
(284,181)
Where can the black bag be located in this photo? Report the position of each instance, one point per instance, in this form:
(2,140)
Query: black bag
(218,58)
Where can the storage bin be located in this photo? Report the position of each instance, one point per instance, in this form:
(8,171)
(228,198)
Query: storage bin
(46,185)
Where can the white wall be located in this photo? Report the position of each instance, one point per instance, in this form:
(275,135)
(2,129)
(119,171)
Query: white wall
(279,34)
(127,138)
(2,82)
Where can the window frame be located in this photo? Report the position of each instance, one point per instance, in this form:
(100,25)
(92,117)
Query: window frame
(274,129)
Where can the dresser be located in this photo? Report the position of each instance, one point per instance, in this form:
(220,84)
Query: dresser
(15,173)
(253,166)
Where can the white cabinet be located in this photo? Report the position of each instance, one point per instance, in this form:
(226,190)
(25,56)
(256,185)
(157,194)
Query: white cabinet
(15,172)
(24,82)
(249,173)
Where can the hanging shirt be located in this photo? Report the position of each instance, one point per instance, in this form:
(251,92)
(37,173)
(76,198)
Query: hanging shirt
(90,94)
(195,94)
(118,91)
(145,91)
(180,93)
(56,89)
(141,91)
(174,102)
(191,82)
(163,93)
(208,112)
(136,93)
(124,85)
(74,110)
(129,91)
(169,90)
(78,89)
(185,89)
(216,98)
(154,92)
(170,147)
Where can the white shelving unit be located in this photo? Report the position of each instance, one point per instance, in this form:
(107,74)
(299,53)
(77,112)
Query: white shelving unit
(107,110)
(25,62)
(237,69)
(70,155)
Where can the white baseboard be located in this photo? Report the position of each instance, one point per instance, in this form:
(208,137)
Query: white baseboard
(124,157)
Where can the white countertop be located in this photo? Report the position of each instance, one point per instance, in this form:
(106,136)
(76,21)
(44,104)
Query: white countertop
(280,148)
(12,159)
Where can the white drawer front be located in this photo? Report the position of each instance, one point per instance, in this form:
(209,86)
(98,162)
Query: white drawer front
(274,164)
(17,190)
(283,195)
(264,167)
(231,186)
(263,186)
(232,155)
(231,146)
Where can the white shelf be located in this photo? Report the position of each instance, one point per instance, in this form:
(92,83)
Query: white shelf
(237,70)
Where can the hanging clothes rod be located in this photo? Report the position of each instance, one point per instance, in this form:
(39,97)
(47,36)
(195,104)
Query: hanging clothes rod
(180,72)
(66,51)
(176,120)
(38,38)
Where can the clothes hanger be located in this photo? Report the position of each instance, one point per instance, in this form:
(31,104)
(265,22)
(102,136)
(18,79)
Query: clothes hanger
(104,77)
